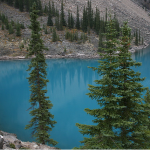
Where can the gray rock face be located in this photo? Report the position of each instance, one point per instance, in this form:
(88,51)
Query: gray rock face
(9,140)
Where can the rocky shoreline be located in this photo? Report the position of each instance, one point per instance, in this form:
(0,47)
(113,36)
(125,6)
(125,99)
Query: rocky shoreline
(10,141)
(77,55)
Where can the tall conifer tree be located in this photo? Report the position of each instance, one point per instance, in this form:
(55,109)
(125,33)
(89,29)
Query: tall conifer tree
(21,5)
(53,9)
(101,135)
(57,24)
(136,38)
(84,20)
(72,21)
(77,19)
(49,8)
(62,15)
(42,122)
(16,3)
(139,36)
(122,121)
(49,21)
(69,20)
(133,124)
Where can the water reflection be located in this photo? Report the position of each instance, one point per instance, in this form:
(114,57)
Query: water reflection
(67,90)
(69,79)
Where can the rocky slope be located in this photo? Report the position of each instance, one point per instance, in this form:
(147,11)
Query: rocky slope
(137,17)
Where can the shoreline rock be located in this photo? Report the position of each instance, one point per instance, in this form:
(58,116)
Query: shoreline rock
(10,141)
(77,55)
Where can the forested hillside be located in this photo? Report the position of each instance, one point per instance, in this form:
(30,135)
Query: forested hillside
(69,26)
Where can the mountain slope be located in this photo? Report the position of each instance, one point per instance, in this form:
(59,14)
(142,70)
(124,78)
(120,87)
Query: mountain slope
(137,17)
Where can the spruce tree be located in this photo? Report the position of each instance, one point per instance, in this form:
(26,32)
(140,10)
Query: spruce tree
(27,5)
(97,21)
(101,135)
(39,7)
(21,5)
(142,41)
(139,36)
(77,19)
(57,23)
(89,14)
(50,8)
(56,12)
(69,20)
(49,21)
(136,38)
(16,3)
(11,31)
(60,25)
(2,27)
(122,121)
(53,9)
(133,122)
(62,15)
(18,32)
(100,43)
(46,10)
(54,35)
(72,21)
(84,20)
(42,122)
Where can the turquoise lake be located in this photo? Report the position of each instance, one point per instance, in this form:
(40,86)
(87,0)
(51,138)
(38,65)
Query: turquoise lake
(69,79)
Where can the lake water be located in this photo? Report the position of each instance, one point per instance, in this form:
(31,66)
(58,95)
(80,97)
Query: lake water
(69,79)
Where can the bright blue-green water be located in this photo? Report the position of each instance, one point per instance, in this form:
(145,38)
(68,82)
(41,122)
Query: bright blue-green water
(69,79)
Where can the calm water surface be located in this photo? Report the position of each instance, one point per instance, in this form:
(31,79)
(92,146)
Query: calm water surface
(69,79)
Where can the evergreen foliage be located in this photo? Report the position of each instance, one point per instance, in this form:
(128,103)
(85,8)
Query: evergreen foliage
(3,27)
(54,35)
(46,10)
(117,25)
(97,21)
(53,9)
(11,31)
(46,32)
(69,20)
(142,41)
(39,7)
(121,121)
(136,38)
(84,20)
(22,26)
(49,21)
(16,3)
(21,5)
(139,36)
(18,31)
(41,123)
(62,15)
(100,43)
(27,5)
(57,23)
(50,8)
(77,19)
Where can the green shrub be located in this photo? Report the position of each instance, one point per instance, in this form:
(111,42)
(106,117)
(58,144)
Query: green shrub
(12,145)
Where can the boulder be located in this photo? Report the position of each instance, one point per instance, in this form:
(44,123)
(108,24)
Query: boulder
(1,142)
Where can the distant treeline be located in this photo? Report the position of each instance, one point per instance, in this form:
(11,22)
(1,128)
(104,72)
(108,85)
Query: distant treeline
(24,5)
